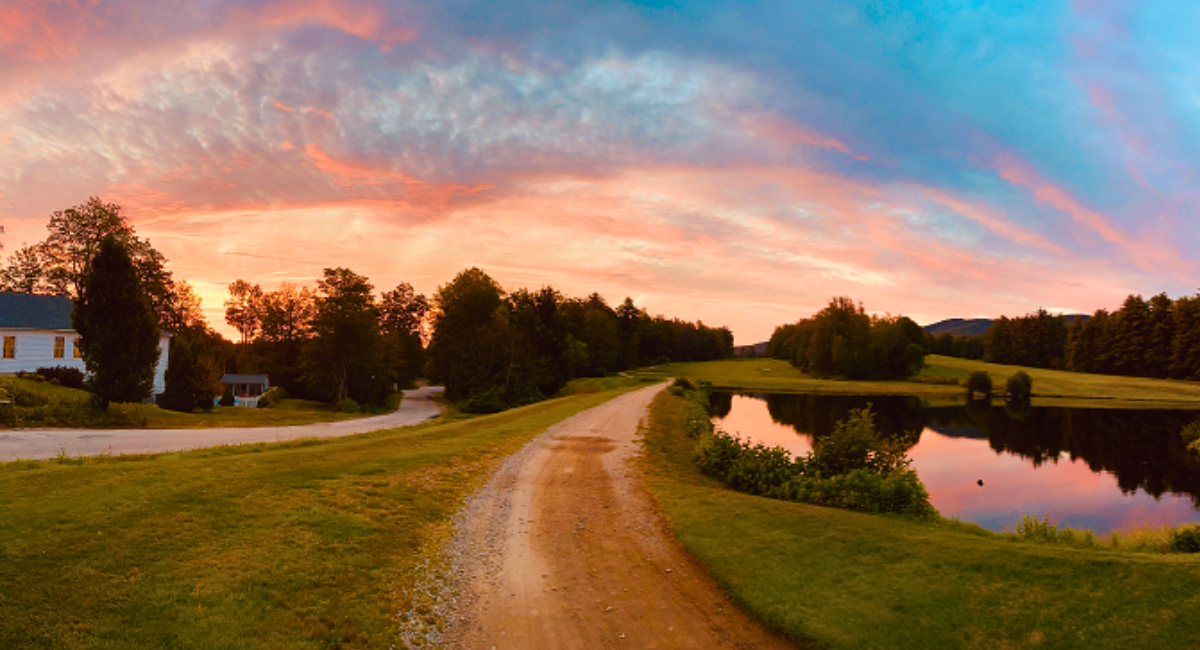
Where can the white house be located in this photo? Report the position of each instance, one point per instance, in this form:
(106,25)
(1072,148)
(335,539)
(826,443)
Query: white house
(36,333)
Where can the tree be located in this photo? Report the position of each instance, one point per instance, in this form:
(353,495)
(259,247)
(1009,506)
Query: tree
(189,378)
(402,320)
(57,265)
(24,272)
(243,309)
(465,351)
(118,330)
(343,356)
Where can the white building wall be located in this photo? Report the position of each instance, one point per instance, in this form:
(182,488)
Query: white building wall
(35,349)
(160,372)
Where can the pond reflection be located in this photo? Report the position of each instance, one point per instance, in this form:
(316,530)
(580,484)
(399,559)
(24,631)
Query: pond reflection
(1103,469)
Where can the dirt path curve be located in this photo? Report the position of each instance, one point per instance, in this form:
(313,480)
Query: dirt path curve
(416,407)
(563,549)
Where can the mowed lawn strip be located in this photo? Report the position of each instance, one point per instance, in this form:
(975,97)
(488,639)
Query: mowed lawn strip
(774,375)
(308,544)
(286,412)
(838,579)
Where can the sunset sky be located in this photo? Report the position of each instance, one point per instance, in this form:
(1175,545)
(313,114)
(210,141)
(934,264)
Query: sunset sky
(734,163)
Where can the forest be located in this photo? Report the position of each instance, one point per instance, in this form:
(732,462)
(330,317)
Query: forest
(1156,338)
(842,341)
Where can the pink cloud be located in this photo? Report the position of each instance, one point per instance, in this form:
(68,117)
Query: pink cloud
(362,19)
(1146,254)
(774,129)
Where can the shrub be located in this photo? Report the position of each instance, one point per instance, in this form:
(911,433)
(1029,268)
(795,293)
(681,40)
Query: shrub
(854,468)
(683,383)
(979,382)
(855,444)
(1186,540)
(1019,387)
(347,405)
(488,401)
(64,376)
(227,397)
(271,397)
(1191,436)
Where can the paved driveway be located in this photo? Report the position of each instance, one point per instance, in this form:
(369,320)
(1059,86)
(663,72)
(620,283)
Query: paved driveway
(416,407)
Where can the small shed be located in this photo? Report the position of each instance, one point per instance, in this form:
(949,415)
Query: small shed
(246,388)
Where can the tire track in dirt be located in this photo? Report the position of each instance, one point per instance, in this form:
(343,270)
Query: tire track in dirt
(563,549)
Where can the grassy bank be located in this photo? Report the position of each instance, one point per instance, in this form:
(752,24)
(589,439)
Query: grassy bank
(1050,387)
(61,406)
(309,544)
(839,579)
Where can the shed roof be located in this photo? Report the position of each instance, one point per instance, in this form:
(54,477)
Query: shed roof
(29,311)
(243,379)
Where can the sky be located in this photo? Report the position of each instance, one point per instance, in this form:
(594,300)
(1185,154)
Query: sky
(738,163)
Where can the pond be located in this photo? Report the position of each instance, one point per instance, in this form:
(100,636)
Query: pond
(1097,469)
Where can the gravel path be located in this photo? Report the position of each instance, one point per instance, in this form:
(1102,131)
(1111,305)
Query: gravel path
(416,407)
(562,548)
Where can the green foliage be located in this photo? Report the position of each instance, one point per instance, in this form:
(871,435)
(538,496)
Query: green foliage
(854,468)
(1186,540)
(63,376)
(979,384)
(683,383)
(342,359)
(272,397)
(843,341)
(856,444)
(190,382)
(1019,387)
(227,398)
(118,330)
(347,405)
(1191,436)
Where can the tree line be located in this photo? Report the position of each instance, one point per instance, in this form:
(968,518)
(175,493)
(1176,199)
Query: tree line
(340,340)
(493,349)
(1158,338)
(490,348)
(841,340)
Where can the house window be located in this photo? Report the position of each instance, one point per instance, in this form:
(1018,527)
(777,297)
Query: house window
(10,347)
(75,349)
(60,342)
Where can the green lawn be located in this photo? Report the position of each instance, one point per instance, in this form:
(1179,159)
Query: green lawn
(1050,387)
(66,404)
(308,544)
(839,579)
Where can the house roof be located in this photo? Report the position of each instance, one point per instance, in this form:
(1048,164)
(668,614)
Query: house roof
(243,379)
(28,311)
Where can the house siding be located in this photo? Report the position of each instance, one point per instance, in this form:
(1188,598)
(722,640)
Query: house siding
(35,349)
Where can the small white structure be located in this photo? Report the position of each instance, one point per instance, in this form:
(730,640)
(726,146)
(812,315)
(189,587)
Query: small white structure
(246,388)
(36,333)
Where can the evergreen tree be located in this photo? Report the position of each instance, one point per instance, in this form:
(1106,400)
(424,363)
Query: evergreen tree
(189,379)
(118,329)
(1185,346)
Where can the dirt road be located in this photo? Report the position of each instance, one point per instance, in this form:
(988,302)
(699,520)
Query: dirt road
(563,549)
(416,407)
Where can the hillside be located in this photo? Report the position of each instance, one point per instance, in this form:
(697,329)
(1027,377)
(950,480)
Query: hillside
(976,326)
(960,327)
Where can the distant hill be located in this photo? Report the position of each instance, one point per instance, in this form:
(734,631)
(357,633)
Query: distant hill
(960,327)
(975,326)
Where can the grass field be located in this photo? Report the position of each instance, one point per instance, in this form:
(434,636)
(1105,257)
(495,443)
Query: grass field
(309,544)
(1050,387)
(839,579)
(286,412)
